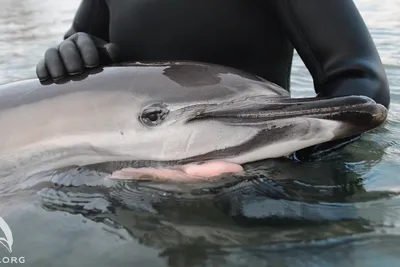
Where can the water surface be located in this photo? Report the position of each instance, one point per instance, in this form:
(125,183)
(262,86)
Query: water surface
(341,210)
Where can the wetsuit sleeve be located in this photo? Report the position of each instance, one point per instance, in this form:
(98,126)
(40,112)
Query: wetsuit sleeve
(92,17)
(335,45)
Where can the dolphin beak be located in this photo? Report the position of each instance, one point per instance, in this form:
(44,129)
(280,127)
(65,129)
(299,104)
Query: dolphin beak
(358,113)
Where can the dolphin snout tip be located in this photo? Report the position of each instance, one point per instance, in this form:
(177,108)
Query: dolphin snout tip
(376,113)
(379,115)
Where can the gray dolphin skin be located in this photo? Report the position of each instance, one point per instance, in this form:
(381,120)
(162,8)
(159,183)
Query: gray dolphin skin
(166,112)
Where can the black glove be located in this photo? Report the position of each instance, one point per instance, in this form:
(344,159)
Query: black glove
(314,152)
(73,55)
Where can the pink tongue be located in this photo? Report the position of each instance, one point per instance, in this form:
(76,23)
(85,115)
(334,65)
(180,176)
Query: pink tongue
(179,173)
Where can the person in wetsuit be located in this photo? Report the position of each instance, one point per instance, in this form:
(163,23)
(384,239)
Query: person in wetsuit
(257,36)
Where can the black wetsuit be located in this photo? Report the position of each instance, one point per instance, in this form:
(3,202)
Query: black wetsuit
(253,35)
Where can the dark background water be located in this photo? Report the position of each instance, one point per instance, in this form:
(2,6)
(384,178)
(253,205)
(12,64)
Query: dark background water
(341,210)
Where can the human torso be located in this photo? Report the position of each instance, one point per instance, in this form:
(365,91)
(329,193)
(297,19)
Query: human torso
(239,33)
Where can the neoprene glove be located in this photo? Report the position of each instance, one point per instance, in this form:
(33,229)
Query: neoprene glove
(78,52)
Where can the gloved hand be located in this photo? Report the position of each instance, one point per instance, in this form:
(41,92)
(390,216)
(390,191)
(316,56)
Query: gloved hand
(313,152)
(78,52)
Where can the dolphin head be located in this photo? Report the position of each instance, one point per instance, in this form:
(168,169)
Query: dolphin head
(190,111)
(173,112)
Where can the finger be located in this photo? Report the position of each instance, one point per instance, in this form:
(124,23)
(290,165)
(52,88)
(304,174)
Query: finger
(41,71)
(54,64)
(87,49)
(109,53)
(71,57)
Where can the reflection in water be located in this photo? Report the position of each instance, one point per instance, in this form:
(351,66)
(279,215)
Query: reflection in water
(281,204)
(201,75)
(339,210)
(181,76)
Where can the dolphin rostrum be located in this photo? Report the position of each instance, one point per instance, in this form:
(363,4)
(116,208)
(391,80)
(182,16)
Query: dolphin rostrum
(169,113)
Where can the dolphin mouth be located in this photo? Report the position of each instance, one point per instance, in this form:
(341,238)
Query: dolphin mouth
(358,111)
(357,114)
(195,171)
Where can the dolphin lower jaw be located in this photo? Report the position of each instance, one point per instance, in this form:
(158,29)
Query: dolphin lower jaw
(278,140)
(275,139)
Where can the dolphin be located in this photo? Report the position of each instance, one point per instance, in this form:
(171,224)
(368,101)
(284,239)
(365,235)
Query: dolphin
(164,114)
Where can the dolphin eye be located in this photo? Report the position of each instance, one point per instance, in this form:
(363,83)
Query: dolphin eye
(154,114)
